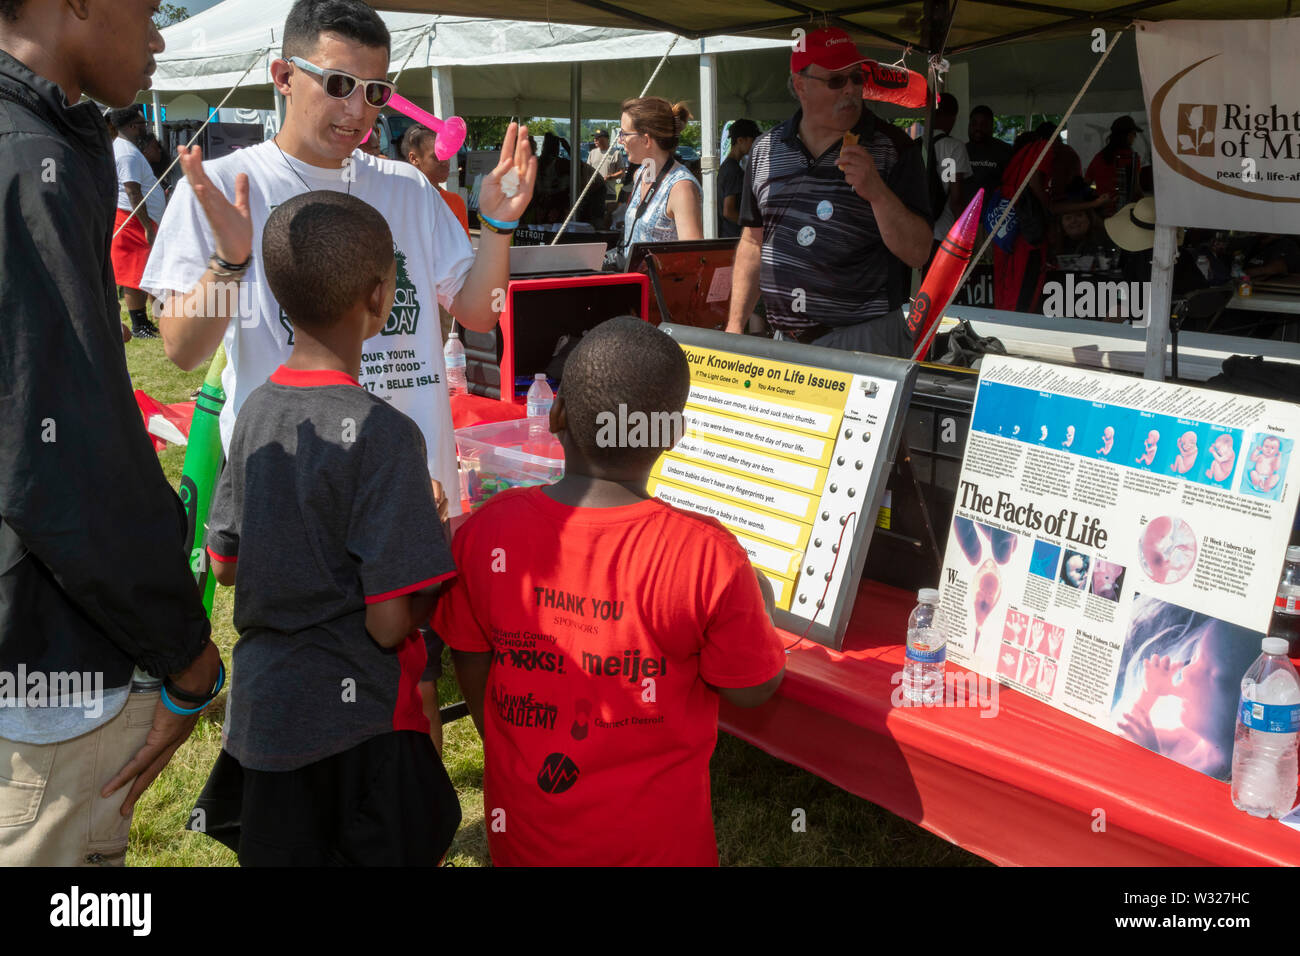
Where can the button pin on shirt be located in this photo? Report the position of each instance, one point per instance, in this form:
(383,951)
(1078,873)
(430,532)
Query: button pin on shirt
(806,236)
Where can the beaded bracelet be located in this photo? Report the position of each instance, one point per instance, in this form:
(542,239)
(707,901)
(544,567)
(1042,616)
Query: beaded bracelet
(223,269)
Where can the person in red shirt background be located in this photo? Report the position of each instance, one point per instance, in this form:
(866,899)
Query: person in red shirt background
(1018,274)
(1117,169)
(417,149)
(594,630)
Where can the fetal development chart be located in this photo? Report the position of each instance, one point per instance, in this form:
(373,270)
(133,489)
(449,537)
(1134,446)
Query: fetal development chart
(787,455)
(1116,546)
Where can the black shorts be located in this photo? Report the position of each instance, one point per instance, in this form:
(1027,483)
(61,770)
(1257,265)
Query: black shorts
(385,802)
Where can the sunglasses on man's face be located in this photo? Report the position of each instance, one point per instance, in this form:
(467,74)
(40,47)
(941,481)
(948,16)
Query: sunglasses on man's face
(840,80)
(341,85)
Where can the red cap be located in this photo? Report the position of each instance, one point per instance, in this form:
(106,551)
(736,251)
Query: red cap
(830,48)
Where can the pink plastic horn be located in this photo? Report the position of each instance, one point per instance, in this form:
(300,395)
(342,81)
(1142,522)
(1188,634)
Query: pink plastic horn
(451,131)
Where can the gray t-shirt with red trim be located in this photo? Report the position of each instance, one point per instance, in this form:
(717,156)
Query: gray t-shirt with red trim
(326,506)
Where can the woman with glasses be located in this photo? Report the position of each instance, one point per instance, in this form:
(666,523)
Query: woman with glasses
(665,202)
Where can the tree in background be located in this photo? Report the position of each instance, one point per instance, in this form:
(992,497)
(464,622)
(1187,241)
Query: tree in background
(169,14)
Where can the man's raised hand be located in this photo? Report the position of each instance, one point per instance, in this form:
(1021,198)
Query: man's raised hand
(232,223)
(516,154)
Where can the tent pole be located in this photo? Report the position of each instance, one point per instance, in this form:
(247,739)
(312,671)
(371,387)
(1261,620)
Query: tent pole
(1159,300)
(934,10)
(157,119)
(708,139)
(444,105)
(575,131)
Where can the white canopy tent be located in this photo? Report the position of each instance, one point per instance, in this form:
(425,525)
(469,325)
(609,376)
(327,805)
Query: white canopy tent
(507,67)
(500,67)
(514,68)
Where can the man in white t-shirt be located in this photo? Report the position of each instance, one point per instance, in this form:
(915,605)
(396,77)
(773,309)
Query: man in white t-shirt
(617,165)
(132,241)
(206,270)
(951,165)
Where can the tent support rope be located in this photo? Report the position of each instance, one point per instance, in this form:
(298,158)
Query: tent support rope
(600,173)
(922,346)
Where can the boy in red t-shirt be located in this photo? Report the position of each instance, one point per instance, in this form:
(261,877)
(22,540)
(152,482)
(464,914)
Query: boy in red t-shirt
(594,628)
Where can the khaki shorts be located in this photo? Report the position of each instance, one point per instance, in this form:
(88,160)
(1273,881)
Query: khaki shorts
(51,813)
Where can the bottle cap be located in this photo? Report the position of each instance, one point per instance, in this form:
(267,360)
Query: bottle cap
(928,595)
(453,335)
(1275,645)
(539,377)
(1293,553)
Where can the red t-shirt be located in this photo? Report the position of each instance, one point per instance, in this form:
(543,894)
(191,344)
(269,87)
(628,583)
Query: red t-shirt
(1118,177)
(605,624)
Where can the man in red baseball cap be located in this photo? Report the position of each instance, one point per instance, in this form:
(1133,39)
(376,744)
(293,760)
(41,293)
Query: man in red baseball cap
(832,224)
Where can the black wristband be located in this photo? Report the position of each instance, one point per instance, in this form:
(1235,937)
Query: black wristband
(229,268)
(185,695)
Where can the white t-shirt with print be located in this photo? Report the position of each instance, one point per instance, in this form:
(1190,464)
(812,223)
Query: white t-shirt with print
(946,148)
(132,167)
(403,363)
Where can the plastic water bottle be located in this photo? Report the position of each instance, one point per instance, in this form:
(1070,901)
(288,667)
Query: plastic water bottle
(540,399)
(453,356)
(1264,751)
(927,650)
(1286,607)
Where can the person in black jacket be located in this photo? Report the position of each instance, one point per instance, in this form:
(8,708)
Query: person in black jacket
(94,580)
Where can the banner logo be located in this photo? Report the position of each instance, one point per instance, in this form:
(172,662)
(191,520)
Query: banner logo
(1196,129)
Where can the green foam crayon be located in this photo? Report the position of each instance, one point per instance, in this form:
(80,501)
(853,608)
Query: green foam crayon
(203,460)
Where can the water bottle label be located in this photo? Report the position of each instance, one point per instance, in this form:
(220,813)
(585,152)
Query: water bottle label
(1286,604)
(1271,718)
(924,655)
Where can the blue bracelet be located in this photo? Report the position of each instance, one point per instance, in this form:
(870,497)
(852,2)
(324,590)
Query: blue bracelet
(496,224)
(181,711)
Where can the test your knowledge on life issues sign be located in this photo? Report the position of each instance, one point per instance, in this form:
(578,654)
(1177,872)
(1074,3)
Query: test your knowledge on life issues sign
(789,447)
(1116,546)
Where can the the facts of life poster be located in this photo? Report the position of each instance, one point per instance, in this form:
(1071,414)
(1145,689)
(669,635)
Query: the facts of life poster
(1116,546)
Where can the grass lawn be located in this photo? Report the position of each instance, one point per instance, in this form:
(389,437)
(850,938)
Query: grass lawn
(753,794)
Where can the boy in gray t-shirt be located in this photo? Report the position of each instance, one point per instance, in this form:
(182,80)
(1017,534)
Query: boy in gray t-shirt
(325,521)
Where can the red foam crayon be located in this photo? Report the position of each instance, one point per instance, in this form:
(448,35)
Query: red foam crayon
(945,272)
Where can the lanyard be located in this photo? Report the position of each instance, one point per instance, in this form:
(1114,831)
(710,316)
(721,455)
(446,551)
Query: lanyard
(654,188)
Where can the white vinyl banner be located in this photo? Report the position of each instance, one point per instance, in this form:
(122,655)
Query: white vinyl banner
(1223,97)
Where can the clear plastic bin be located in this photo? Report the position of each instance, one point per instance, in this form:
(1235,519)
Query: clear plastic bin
(495,456)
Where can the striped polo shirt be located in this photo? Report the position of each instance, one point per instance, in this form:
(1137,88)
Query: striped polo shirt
(823,256)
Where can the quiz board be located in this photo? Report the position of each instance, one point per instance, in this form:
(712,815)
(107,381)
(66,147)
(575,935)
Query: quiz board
(789,447)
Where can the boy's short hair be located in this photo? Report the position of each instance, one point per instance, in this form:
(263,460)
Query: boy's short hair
(413,140)
(620,368)
(124,116)
(323,252)
(353,19)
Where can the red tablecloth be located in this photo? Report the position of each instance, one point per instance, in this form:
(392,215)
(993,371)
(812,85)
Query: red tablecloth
(469,410)
(1029,786)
